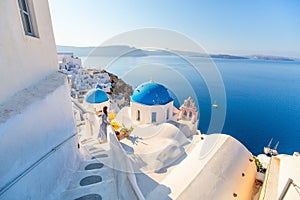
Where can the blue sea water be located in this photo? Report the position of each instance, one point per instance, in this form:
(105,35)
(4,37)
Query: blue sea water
(262,97)
(263,102)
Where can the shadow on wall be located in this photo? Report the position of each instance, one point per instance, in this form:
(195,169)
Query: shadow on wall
(131,185)
(149,186)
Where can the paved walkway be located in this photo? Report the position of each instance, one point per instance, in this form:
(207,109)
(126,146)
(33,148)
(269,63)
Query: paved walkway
(93,180)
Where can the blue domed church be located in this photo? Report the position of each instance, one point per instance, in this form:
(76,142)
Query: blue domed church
(96,99)
(151,104)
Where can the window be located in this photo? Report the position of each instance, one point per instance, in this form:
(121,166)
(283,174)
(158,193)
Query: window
(185,113)
(26,17)
(138,117)
(153,118)
(168,111)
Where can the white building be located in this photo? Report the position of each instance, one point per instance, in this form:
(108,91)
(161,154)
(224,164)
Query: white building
(28,51)
(94,101)
(103,81)
(38,144)
(103,78)
(282,177)
(67,61)
(151,104)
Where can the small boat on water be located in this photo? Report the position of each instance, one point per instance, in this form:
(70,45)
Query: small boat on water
(215,105)
(269,151)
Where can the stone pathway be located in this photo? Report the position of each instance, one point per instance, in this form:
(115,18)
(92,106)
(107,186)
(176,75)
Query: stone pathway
(94,180)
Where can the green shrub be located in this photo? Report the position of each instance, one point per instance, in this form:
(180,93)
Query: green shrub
(259,167)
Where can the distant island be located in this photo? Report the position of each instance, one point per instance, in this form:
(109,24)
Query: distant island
(261,57)
(116,50)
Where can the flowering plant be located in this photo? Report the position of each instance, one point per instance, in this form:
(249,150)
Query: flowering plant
(126,131)
(115,125)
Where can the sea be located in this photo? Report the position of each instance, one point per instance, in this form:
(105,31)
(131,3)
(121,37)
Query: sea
(262,97)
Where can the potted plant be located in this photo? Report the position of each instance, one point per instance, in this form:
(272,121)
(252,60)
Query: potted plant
(118,135)
(126,131)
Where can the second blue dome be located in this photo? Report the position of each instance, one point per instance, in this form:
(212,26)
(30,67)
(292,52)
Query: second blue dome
(96,96)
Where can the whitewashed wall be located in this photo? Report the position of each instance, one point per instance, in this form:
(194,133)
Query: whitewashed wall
(24,59)
(126,185)
(145,110)
(44,122)
(219,167)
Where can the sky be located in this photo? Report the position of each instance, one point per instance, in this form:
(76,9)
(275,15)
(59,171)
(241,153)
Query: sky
(248,27)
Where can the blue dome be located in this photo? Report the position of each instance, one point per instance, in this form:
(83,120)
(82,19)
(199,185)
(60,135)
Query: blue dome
(151,93)
(96,96)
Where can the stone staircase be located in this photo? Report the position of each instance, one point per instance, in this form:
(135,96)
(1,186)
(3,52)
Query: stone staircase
(94,179)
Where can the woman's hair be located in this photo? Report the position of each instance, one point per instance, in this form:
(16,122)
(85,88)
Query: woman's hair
(105,110)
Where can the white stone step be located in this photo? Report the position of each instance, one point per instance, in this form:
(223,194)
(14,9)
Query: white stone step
(105,175)
(106,190)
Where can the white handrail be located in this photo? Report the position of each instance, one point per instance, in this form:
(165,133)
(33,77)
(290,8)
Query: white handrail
(35,164)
